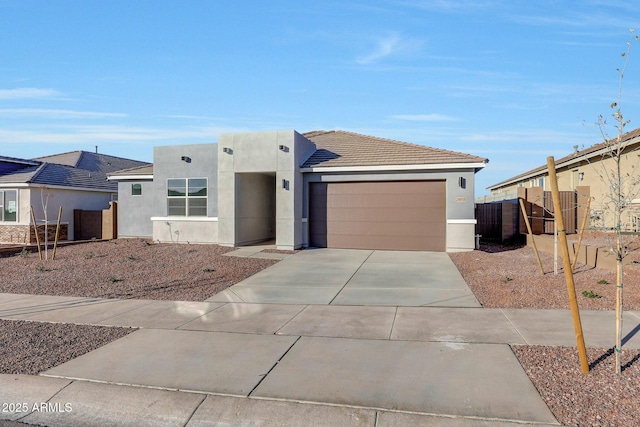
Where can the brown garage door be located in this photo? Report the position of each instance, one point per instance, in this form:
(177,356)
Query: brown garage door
(398,215)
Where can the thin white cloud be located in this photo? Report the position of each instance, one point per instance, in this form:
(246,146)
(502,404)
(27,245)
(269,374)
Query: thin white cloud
(28,93)
(391,45)
(425,117)
(527,136)
(386,47)
(186,117)
(113,134)
(451,6)
(55,114)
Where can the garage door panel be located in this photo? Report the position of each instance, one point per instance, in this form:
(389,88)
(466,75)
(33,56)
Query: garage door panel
(387,214)
(415,243)
(371,228)
(412,200)
(382,187)
(407,215)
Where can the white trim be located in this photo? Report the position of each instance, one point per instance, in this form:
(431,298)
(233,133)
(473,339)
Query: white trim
(14,185)
(20,161)
(462,221)
(440,166)
(63,187)
(185,218)
(129,177)
(57,187)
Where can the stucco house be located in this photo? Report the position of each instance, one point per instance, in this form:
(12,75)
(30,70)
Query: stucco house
(73,180)
(585,172)
(322,189)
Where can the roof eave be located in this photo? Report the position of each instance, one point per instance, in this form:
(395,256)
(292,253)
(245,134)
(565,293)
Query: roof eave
(385,168)
(70,187)
(129,177)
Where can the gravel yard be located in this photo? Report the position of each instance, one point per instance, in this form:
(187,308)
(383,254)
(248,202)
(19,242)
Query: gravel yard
(510,277)
(129,268)
(499,277)
(32,347)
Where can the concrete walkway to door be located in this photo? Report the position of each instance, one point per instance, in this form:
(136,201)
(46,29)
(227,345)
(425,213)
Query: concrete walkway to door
(357,277)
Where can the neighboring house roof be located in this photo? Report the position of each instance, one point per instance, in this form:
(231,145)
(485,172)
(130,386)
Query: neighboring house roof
(6,159)
(140,172)
(79,169)
(348,149)
(629,139)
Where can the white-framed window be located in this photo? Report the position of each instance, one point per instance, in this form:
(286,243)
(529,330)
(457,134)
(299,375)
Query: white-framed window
(187,196)
(9,205)
(136,189)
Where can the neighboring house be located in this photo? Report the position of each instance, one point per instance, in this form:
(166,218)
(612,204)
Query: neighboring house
(585,173)
(135,200)
(74,180)
(322,189)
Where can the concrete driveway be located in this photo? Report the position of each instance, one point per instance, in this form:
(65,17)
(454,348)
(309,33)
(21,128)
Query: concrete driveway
(357,277)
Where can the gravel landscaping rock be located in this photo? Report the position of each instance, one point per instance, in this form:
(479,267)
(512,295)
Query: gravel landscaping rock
(32,347)
(600,398)
(511,278)
(129,268)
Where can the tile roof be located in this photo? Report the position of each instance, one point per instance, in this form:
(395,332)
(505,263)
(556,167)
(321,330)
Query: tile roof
(75,169)
(348,149)
(70,159)
(18,161)
(139,170)
(628,139)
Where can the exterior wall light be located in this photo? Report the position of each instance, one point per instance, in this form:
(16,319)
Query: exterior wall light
(285,184)
(462,182)
(580,176)
(186,159)
(227,150)
(283,148)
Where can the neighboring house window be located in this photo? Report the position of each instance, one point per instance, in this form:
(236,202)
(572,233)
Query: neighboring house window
(9,205)
(541,182)
(136,189)
(187,197)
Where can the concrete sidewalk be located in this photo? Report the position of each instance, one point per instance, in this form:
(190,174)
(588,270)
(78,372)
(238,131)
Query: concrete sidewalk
(260,363)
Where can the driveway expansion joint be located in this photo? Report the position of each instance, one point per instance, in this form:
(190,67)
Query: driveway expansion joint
(273,367)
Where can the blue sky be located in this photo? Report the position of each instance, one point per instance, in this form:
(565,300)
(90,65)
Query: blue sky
(513,81)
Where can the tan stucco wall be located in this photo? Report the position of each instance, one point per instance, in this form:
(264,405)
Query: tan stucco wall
(597,175)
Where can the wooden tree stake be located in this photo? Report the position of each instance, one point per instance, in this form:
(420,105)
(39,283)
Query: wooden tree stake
(584,224)
(568,273)
(55,243)
(533,241)
(35,227)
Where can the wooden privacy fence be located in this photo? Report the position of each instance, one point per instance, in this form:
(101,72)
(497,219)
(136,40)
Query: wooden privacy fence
(497,221)
(503,221)
(102,224)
